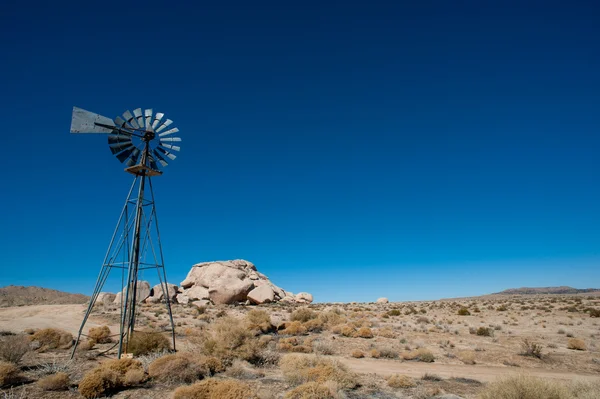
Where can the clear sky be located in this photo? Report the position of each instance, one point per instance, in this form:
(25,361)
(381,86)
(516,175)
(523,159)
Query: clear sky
(407,149)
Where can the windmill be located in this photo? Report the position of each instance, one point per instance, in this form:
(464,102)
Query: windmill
(142,140)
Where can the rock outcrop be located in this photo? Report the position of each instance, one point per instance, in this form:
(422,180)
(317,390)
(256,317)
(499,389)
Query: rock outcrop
(143,291)
(383,300)
(233,281)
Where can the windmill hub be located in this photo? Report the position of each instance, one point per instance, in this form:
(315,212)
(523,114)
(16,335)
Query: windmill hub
(149,135)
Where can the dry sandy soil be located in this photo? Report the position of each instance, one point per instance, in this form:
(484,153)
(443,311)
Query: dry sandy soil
(373,341)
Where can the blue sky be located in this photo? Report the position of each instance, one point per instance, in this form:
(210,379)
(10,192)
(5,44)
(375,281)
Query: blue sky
(413,150)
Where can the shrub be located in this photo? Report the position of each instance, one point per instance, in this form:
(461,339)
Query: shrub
(52,338)
(394,312)
(227,339)
(310,390)
(421,354)
(401,381)
(530,348)
(299,369)
(358,354)
(375,353)
(293,344)
(13,348)
(303,315)
(215,389)
(386,332)
(111,376)
(464,312)
(467,357)
(524,387)
(100,335)
(485,331)
(259,320)
(594,312)
(55,382)
(348,331)
(365,332)
(294,328)
(9,374)
(143,343)
(576,344)
(388,353)
(177,368)
(431,377)
(502,308)
(314,325)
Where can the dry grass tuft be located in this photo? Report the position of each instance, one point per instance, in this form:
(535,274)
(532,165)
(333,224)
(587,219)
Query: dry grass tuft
(299,369)
(365,332)
(303,315)
(52,338)
(467,357)
(215,389)
(143,343)
(577,344)
(182,368)
(13,348)
(401,381)
(294,328)
(525,387)
(259,321)
(111,376)
(100,335)
(358,354)
(310,390)
(9,374)
(421,354)
(55,382)
(530,348)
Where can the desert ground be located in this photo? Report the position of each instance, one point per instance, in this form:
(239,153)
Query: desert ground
(484,347)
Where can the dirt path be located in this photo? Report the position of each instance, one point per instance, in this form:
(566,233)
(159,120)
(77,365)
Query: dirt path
(480,373)
(66,317)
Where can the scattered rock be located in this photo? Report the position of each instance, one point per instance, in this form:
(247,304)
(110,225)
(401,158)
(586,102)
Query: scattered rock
(304,297)
(383,300)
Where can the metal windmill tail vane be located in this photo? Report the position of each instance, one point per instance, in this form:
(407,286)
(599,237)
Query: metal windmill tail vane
(144,141)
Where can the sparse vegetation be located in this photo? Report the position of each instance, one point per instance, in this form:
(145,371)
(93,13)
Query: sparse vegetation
(13,348)
(183,368)
(401,381)
(100,335)
(530,348)
(299,369)
(143,343)
(215,389)
(9,374)
(464,312)
(577,344)
(52,338)
(55,382)
(110,377)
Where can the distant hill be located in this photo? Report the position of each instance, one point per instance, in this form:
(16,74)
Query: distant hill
(545,290)
(15,295)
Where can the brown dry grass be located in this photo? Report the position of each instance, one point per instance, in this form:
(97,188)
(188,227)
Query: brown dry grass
(310,390)
(111,376)
(13,348)
(216,389)
(576,344)
(259,321)
(55,382)
(401,381)
(526,387)
(298,369)
(52,338)
(182,368)
(143,343)
(9,374)
(100,335)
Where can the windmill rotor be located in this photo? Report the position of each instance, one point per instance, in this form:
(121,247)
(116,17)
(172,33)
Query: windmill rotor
(141,139)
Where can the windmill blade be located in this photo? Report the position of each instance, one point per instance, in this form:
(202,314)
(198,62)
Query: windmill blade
(122,157)
(138,115)
(172,147)
(161,160)
(157,118)
(148,114)
(130,119)
(83,121)
(170,131)
(118,147)
(170,139)
(152,162)
(112,138)
(134,157)
(167,153)
(164,126)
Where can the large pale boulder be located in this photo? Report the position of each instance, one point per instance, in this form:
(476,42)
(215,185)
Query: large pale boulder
(229,290)
(171,289)
(304,297)
(197,292)
(262,294)
(105,298)
(383,300)
(205,274)
(142,292)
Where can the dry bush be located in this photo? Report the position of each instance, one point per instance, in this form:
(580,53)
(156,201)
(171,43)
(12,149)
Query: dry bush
(52,338)
(55,382)
(348,331)
(358,354)
(310,390)
(421,354)
(299,369)
(215,389)
(294,328)
(485,332)
(576,344)
(524,387)
(303,315)
(100,335)
(375,353)
(143,343)
(9,374)
(464,312)
(386,332)
(111,376)
(323,348)
(293,344)
(13,348)
(314,325)
(530,348)
(260,321)
(365,332)
(331,318)
(228,339)
(467,357)
(401,381)
(182,368)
